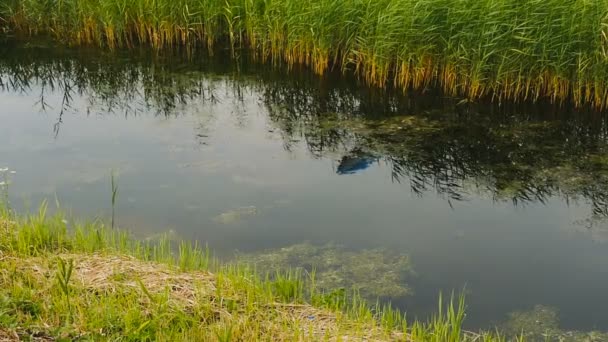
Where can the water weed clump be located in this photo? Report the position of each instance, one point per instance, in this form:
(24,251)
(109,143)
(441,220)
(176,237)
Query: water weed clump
(507,50)
(541,323)
(372,274)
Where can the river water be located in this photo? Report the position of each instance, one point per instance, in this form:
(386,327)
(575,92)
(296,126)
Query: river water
(505,202)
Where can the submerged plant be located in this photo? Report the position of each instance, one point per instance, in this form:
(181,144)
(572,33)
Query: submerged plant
(541,323)
(371,273)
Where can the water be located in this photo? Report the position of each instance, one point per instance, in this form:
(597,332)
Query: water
(507,202)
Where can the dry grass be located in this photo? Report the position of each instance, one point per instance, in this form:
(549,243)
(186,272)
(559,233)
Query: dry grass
(7,335)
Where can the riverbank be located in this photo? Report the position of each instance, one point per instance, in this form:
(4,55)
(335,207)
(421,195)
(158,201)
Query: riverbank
(501,51)
(63,280)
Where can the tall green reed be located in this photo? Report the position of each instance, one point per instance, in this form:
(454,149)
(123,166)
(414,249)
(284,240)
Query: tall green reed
(506,50)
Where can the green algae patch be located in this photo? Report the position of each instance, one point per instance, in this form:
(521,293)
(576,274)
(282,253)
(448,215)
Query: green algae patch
(234,216)
(542,324)
(372,273)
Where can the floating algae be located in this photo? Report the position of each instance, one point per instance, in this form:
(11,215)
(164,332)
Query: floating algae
(373,273)
(542,324)
(170,235)
(237,215)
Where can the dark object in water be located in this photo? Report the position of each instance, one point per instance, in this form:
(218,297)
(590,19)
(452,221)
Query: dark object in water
(355,162)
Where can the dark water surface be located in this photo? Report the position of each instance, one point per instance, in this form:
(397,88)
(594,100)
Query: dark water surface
(509,202)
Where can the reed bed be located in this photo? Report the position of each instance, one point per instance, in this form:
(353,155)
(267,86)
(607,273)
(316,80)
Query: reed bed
(504,50)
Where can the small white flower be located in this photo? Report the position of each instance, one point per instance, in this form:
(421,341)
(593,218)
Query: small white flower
(2,183)
(13,172)
(4,170)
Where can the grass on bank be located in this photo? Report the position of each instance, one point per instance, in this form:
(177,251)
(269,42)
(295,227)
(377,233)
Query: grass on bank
(88,282)
(504,49)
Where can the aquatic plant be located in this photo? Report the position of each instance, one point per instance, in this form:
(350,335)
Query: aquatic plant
(234,216)
(541,323)
(370,273)
(507,50)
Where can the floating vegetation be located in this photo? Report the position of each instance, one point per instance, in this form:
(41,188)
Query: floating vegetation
(372,273)
(506,51)
(237,215)
(171,235)
(542,324)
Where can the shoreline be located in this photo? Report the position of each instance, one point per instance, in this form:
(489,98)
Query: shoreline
(94,283)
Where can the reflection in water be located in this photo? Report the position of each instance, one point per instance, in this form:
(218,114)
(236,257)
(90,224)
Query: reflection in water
(210,148)
(354,162)
(513,158)
(515,155)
